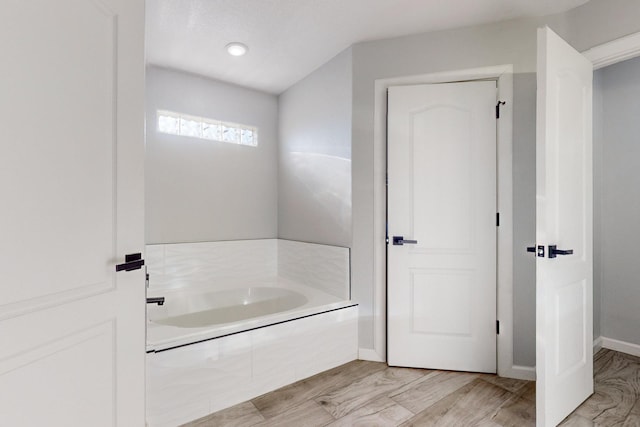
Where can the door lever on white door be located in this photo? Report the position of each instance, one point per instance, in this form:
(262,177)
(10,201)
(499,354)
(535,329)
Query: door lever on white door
(399,241)
(131,262)
(553,251)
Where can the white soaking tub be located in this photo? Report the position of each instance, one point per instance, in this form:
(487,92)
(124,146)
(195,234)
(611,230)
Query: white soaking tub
(241,319)
(200,313)
(198,310)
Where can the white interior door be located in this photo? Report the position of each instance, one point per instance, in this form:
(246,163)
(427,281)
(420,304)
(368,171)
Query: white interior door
(564,343)
(71,184)
(441,293)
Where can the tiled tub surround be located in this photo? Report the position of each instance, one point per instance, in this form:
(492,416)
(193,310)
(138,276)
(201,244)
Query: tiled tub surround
(193,371)
(215,264)
(198,271)
(186,383)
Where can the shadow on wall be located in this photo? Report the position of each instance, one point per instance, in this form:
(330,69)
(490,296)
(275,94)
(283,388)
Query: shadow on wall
(324,181)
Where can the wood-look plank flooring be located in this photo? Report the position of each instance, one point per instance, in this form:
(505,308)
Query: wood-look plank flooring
(370,394)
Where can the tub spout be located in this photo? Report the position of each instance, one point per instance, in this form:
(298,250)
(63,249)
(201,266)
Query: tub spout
(155,300)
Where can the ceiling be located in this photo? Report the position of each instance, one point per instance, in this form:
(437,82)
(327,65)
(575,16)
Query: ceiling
(288,39)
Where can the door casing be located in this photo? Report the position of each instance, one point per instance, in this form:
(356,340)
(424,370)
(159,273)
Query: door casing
(618,50)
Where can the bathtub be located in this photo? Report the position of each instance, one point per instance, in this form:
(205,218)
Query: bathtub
(241,319)
(198,313)
(197,310)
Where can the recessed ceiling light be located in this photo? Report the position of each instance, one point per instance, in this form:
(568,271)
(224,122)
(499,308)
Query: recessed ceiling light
(237,49)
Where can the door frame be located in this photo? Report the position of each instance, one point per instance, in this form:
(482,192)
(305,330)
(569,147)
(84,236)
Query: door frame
(612,52)
(603,55)
(503,74)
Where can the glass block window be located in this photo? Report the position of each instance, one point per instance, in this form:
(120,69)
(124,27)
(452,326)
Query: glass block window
(168,124)
(190,127)
(212,130)
(204,128)
(246,136)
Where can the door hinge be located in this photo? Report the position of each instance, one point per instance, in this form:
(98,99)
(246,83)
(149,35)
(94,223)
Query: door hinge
(497,219)
(498,108)
(497,327)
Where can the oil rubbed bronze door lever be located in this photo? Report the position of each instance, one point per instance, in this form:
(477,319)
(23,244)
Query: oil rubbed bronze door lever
(554,251)
(400,240)
(155,300)
(132,262)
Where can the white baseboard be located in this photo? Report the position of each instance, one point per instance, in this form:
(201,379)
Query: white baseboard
(529,372)
(621,346)
(370,354)
(518,372)
(597,344)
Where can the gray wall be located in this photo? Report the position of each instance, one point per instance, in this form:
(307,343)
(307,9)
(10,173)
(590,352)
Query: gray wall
(314,186)
(620,201)
(201,190)
(511,42)
(598,119)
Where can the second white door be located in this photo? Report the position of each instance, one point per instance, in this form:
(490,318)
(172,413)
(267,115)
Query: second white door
(564,230)
(441,294)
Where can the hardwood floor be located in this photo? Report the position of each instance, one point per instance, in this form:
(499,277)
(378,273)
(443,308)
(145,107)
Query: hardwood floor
(368,394)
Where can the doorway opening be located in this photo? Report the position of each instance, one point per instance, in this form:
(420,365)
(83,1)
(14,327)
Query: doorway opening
(503,75)
(441,195)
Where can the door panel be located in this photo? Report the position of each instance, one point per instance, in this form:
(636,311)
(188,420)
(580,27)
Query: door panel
(54,361)
(449,313)
(442,192)
(449,226)
(71,179)
(564,291)
(46,167)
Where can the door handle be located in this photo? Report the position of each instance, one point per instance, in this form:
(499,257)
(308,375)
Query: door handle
(132,262)
(554,251)
(399,241)
(155,300)
(531,249)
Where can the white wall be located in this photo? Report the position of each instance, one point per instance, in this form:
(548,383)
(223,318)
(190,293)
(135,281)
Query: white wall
(314,192)
(620,200)
(511,42)
(201,190)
